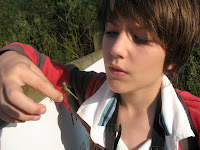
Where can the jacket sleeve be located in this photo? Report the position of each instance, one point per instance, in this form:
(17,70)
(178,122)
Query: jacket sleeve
(82,84)
(193,105)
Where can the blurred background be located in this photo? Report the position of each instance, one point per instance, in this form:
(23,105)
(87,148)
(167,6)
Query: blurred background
(65,30)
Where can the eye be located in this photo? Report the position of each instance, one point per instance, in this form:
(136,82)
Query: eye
(139,40)
(111,33)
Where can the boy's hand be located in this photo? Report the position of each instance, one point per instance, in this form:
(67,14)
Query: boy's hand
(15,72)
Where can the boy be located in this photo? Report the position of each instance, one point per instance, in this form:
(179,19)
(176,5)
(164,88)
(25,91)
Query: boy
(133,105)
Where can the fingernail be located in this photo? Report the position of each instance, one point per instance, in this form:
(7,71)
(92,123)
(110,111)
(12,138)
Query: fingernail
(35,118)
(42,111)
(61,99)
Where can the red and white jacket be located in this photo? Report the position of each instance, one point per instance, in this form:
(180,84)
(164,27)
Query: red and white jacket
(95,98)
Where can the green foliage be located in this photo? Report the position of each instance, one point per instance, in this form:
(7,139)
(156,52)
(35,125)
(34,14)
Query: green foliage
(64,29)
(189,78)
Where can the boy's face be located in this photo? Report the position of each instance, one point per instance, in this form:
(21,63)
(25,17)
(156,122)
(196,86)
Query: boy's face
(132,62)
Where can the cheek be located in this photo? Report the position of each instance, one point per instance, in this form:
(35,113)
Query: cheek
(108,43)
(160,59)
(106,49)
(104,43)
(105,56)
(148,61)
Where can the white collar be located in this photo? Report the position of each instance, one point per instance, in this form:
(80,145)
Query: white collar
(175,117)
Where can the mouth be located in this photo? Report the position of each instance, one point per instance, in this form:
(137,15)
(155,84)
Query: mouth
(117,71)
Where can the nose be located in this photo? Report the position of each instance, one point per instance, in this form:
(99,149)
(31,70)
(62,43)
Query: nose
(119,46)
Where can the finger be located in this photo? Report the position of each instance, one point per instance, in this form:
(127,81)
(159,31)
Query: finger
(18,104)
(42,85)
(35,69)
(9,119)
(10,113)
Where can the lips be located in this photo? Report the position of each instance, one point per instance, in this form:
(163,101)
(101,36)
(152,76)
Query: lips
(117,71)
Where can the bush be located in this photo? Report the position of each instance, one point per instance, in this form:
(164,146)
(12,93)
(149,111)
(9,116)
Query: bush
(189,78)
(60,29)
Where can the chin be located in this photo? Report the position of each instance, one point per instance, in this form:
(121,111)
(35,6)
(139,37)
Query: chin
(117,86)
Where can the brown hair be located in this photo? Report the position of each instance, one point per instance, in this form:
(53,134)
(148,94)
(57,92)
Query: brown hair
(174,24)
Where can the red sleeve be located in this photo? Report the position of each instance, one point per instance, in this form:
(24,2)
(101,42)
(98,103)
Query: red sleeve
(56,73)
(29,50)
(193,105)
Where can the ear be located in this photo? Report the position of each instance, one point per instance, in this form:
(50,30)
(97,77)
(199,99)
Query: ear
(170,67)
